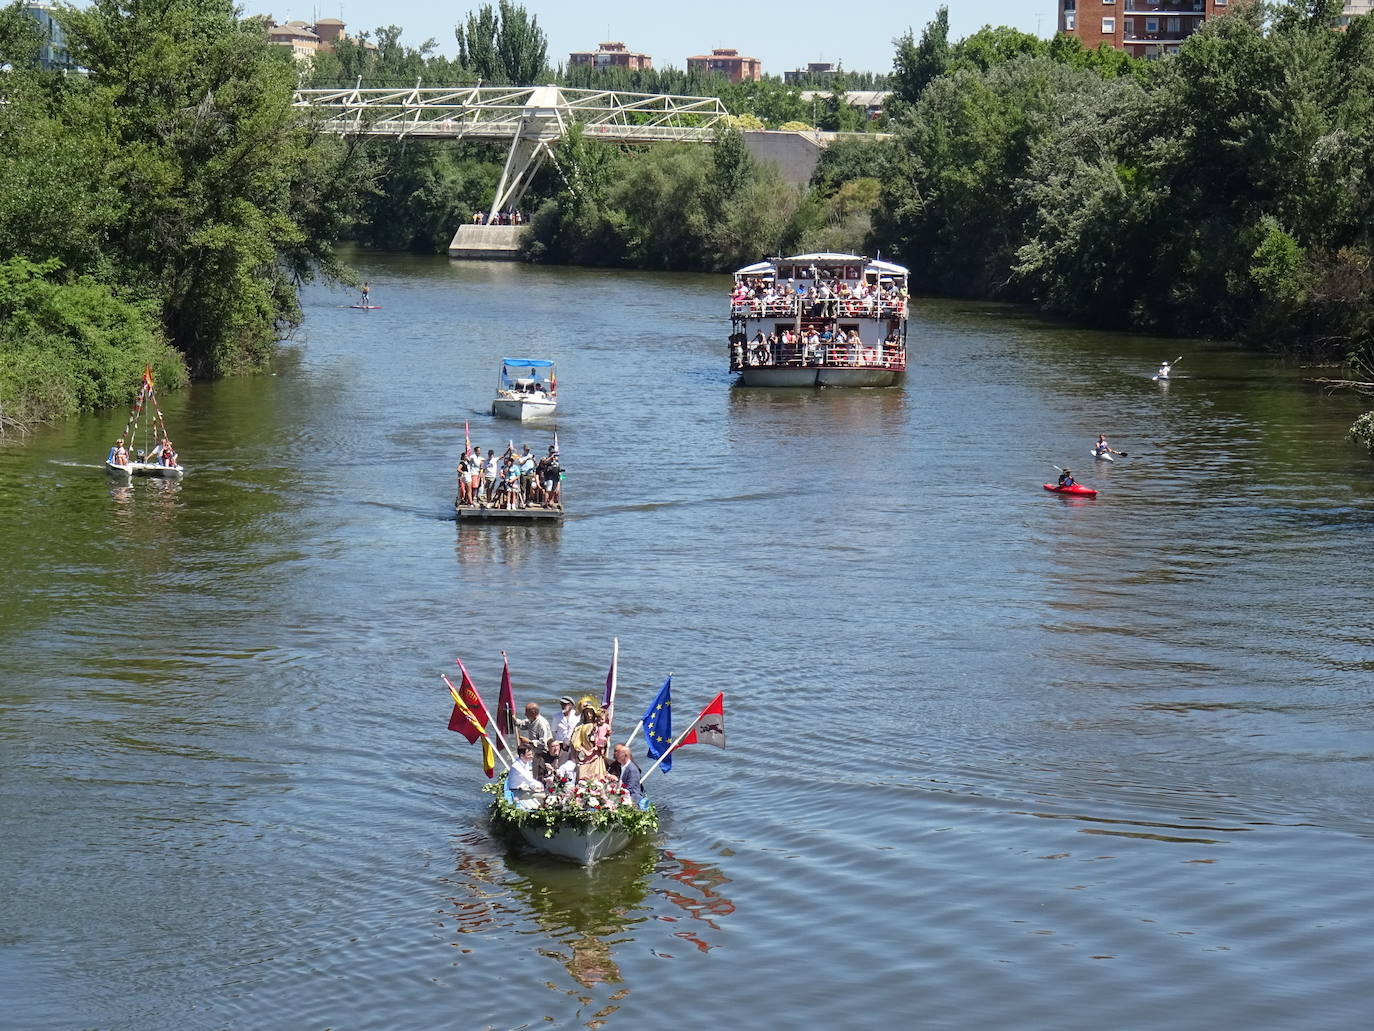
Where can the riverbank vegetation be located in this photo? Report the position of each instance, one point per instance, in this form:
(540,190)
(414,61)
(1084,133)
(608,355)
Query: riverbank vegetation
(163,207)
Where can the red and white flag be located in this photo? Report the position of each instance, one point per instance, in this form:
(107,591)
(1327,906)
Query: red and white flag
(709,727)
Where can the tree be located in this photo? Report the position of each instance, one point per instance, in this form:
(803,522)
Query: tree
(916,66)
(503,45)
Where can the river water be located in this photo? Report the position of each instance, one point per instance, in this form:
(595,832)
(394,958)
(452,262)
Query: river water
(996,758)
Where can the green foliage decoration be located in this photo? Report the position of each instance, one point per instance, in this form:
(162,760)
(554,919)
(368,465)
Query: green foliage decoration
(569,807)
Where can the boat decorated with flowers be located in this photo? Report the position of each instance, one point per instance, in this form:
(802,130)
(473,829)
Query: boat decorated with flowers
(822,319)
(573,806)
(584,820)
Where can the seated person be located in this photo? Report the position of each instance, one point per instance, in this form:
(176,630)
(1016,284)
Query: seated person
(523,784)
(559,765)
(118,454)
(1066,479)
(628,773)
(166,455)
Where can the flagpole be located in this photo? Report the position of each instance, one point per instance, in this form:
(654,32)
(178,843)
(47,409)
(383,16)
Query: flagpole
(669,751)
(472,718)
(454,691)
(615,673)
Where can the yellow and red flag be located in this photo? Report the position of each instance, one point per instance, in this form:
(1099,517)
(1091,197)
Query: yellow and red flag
(464,720)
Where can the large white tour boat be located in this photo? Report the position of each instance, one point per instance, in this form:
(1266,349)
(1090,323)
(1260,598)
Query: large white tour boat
(830,320)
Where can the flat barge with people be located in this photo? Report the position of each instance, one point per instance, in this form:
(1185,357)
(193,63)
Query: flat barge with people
(823,319)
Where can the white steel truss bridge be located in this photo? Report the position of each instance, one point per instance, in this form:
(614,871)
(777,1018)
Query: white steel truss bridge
(531,118)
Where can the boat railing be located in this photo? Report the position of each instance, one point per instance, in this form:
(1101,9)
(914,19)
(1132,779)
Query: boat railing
(845,356)
(834,307)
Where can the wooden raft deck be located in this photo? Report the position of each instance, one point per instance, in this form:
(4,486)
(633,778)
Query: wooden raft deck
(475,513)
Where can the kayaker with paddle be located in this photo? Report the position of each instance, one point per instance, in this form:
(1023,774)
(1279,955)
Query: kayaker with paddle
(1103,448)
(1066,479)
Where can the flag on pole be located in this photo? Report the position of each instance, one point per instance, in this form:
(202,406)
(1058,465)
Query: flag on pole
(465,715)
(709,727)
(505,701)
(473,701)
(658,724)
(608,696)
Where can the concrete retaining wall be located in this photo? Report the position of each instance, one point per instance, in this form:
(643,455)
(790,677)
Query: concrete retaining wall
(488,243)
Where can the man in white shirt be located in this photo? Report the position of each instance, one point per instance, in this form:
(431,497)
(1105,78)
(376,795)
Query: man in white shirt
(533,730)
(567,721)
(521,780)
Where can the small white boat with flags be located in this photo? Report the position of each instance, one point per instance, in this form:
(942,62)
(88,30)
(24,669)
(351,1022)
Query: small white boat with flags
(146,425)
(526,389)
(575,808)
(822,319)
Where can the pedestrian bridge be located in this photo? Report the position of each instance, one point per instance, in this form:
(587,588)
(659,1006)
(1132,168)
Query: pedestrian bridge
(530,118)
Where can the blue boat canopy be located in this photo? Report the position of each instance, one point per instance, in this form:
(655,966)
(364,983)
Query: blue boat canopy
(528,363)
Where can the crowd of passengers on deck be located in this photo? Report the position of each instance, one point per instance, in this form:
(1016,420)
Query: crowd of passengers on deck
(814,346)
(575,748)
(510,481)
(816,298)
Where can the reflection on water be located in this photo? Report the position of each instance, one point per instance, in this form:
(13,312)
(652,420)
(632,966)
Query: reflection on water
(697,893)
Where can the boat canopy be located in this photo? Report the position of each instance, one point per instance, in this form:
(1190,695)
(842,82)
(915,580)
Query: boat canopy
(888,267)
(528,363)
(756,269)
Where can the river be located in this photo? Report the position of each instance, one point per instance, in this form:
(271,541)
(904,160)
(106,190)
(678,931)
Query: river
(995,757)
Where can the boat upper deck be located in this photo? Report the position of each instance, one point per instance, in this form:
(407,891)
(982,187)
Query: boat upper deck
(818,286)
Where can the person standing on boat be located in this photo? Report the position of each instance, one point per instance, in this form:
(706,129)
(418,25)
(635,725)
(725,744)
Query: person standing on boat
(567,721)
(367,291)
(534,729)
(629,773)
(118,454)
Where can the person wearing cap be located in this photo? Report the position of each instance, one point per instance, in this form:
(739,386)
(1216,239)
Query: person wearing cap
(1066,479)
(118,455)
(566,722)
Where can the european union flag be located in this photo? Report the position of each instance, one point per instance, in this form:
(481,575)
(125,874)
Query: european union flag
(658,725)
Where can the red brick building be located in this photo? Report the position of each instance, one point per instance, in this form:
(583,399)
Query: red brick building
(610,55)
(727,63)
(1142,28)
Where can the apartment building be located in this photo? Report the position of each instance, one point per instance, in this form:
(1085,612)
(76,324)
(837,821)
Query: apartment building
(1142,28)
(728,63)
(610,55)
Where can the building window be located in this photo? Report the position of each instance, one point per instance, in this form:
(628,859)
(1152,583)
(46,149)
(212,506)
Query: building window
(1151,26)
(1172,50)
(1221,3)
(1130,26)
(1109,26)
(1173,25)
(1069,18)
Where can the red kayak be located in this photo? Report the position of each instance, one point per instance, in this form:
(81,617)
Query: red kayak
(1076,488)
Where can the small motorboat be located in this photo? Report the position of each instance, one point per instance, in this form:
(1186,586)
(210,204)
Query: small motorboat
(1073,488)
(139,468)
(527,389)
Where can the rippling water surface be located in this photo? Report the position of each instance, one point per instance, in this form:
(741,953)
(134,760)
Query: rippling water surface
(996,758)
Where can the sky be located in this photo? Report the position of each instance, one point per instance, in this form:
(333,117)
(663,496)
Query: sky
(782,35)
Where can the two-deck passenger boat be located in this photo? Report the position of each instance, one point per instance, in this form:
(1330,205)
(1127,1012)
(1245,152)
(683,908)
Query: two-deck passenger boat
(830,320)
(526,389)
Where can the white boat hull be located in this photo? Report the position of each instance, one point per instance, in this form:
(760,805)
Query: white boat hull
(818,376)
(1103,456)
(522,409)
(168,472)
(580,846)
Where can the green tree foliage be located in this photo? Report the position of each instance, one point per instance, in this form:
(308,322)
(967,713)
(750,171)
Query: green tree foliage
(70,345)
(503,45)
(379,58)
(916,65)
(1226,191)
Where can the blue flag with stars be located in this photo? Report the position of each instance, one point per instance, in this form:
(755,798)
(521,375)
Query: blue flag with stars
(658,724)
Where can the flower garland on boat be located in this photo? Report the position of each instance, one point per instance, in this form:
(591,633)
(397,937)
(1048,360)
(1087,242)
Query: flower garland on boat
(583,804)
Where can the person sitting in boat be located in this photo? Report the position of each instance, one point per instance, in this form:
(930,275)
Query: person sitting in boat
(1163,372)
(523,784)
(559,766)
(1066,479)
(1103,448)
(629,773)
(166,454)
(118,455)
